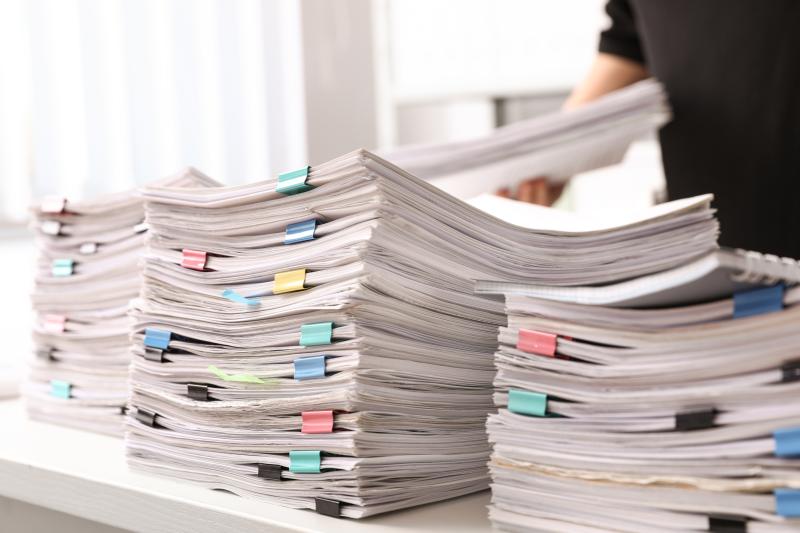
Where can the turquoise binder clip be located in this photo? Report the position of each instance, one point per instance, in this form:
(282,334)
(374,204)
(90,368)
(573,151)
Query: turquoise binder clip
(316,334)
(293,182)
(527,403)
(309,367)
(300,231)
(787,442)
(758,301)
(60,389)
(63,267)
(787,503)
(305,461)
(157,338)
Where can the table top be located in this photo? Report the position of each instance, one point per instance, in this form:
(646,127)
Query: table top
(85,475)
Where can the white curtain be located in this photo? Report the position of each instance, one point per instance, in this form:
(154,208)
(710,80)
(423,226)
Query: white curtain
(99,95)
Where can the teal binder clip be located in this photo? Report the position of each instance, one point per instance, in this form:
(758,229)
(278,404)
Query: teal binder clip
(527,403)
(316,334)
(293,182)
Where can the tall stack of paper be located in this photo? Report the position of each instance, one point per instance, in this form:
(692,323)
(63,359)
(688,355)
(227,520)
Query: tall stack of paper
(87,274)
(677,417)
(557,145)
(315,340)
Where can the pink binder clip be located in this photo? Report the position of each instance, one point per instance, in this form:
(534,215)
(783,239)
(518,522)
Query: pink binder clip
(53,204)
(537,342)
(193,259)
(317,422)
(55,323)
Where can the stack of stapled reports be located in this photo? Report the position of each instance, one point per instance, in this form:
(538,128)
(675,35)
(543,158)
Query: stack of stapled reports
(557,145)
(87,274)
(314,340)
(680,417)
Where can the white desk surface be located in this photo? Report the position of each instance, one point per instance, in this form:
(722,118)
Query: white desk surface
(84,474)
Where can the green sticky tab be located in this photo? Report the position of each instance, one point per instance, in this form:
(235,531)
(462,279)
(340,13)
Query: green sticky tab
(63,267)
(239,378)
(316,334)
(527,403)
(305,461)
(293,182)
(60,389)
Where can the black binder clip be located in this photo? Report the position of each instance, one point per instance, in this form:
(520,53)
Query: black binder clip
(198,392)
(123,410)
(791,372)
(145,417)
(268,471)
(328,507)
(727,524)
(153,354)
(702,418)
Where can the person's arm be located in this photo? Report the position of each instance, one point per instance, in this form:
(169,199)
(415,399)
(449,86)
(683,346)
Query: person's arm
(608,73)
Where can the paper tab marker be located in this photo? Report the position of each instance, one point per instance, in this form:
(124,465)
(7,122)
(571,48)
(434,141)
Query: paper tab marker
(272,472)
(328,507)
(237,378)
(537,342)
(53,204)
(232,295)
(758,301)
(194,259)
(527,403)
(309,367)
(198,392)
(50,227)
(787,503)
(291,281)
(63,267)
(305,461)
(55,323)
(293,182)
(153,354)
(317,422)
(60,389)
(787,442)
(300,231)
(157,338)
(316,334)
(691,419)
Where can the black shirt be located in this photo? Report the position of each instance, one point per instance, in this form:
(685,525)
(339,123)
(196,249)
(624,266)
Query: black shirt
(732,72)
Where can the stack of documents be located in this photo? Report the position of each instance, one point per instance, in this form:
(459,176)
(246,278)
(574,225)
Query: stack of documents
(672,416)
(558,145)
(315,340)
(88,271)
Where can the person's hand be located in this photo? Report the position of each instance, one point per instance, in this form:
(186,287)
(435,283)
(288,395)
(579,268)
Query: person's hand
(535,190)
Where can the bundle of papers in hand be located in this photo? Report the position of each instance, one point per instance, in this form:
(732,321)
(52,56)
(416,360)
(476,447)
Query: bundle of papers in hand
(677,417)
(315,340)
(88,271)
(556,145)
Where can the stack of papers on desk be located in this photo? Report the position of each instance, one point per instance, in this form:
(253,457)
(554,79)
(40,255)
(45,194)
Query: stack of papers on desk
(315,340)
(88,271)
(677,417)
(557,145)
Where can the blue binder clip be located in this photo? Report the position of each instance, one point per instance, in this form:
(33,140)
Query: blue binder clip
(234,296)
(309,367)
(758,301)
(300,231)
(787,503)
(293,182)
(787,442)
(157,338)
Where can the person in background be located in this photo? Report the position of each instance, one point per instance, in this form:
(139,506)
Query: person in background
(731,69)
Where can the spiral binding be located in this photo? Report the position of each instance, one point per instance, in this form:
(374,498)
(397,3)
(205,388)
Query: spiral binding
(766,268)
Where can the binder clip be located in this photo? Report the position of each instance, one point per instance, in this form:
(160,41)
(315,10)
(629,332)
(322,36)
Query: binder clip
(198,392)
(300,231)
(689,420)
(312,367)
(157,338)
(316,334)
(305,461)
(272,472)
(63,267)
(787,442)
(758,301)
(317,422)
(293,182)
(328,507)
(194,259)
(537,342)
(60,389)
(50,227)
(527,403)
(291,281)
(727,524)
(790,372)
(787,503)
(145,417)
